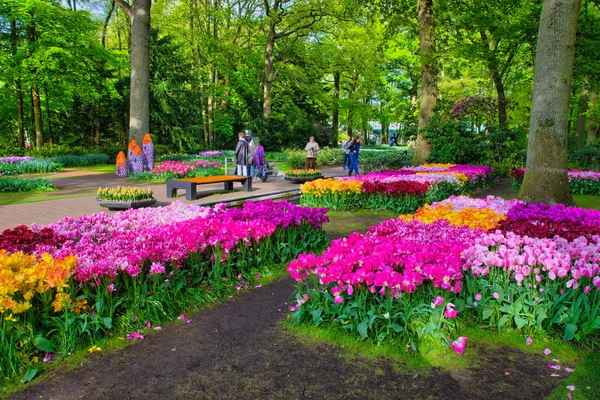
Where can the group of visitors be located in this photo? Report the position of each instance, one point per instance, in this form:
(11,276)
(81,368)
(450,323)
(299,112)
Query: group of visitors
(351,148)
(250,157)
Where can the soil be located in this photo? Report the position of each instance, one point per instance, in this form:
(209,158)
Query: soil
(240,350)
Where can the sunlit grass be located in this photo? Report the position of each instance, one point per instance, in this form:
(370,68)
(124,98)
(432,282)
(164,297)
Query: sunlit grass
(34,197)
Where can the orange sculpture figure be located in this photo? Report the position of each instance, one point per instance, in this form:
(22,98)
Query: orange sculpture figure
(121,164)
(147,139)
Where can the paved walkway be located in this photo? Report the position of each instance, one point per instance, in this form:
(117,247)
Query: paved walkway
(49,211)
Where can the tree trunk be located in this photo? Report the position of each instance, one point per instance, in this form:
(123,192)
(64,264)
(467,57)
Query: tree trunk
(139,102)
(502,118)
(48,113)
(37,117)
(349,113)
(268,73)
(429,89)
(546,174)
(593,126)
(580,132)
(106,21)
(335,114)
(18,86)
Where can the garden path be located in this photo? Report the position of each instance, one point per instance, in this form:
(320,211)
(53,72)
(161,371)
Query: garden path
(241,350)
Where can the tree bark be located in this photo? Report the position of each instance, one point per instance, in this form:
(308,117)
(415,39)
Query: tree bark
(593,126)
(349,112)
(106,21)
(429,89)
(335,114)
(546,177)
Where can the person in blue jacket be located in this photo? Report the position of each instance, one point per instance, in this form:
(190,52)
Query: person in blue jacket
(354,152)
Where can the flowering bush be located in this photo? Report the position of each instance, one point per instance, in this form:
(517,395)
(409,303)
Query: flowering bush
(211,154)
(418,276)
(581,182)
(15,159)
(400,191)
(181,169)
(143,265)
(124,193)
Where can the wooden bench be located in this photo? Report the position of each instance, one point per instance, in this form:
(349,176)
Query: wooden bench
(189,184)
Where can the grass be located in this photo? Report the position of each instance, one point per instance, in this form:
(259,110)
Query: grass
(283,166)
(586,377)
(78,171)
(34,197)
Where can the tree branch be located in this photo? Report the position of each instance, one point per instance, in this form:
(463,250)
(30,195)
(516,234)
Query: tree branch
(125,6)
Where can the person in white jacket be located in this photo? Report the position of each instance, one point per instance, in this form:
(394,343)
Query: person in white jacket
(312,149)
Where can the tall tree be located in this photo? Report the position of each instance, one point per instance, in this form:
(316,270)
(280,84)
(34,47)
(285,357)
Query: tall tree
(429,72)
(547,163)
(139,98)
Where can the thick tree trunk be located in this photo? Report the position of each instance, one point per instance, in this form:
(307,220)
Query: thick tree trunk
(335,114)
(593,126)
(580,133)
(37,117)
(268,73)
(429,89)
(139,102)
(546,175)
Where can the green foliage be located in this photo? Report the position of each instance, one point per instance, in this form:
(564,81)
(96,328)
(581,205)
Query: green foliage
(384,160)
(29,167)
(12,185)
(456,142)
(586,158)
(80,161)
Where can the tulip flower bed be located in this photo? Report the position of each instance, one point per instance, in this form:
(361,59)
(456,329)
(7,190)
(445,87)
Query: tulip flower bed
(82,278)
(402,191)
(581,182)
(124,193)
(180,169)
(415,279)
(14,185)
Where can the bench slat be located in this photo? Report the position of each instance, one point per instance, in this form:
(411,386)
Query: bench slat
(215,179)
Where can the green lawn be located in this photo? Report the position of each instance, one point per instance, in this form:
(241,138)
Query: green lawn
(34,197)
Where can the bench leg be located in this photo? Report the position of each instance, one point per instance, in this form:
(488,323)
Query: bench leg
(171,191)
(228,185)
(190,192)
(248,185)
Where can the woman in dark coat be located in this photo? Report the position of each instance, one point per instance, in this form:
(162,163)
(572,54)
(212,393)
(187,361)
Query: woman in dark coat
(241,155)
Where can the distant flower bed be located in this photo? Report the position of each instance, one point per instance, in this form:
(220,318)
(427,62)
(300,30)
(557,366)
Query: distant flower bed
(79,279)
(581,182)
(180,169)
(304,173)
(124,193)
(15,159)
(402,191)
(210,153)
(13,185)
(508,264)
(33,166)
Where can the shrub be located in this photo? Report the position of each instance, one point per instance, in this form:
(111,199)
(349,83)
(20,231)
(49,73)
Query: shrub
(29,167)
(80,161)
(12,185)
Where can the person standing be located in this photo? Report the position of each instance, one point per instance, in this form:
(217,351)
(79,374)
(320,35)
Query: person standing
(355,150)
(312,149)
(259,161)
(346,159)
(241,155)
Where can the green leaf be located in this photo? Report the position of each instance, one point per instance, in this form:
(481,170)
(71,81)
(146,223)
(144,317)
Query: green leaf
(362,329)
(541,316)
(107,322)
(570,330)
(487,313)
(29,375)
(507,309)
(430,327)
(396,328)
(43,344)
(520,321)
(316,316)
